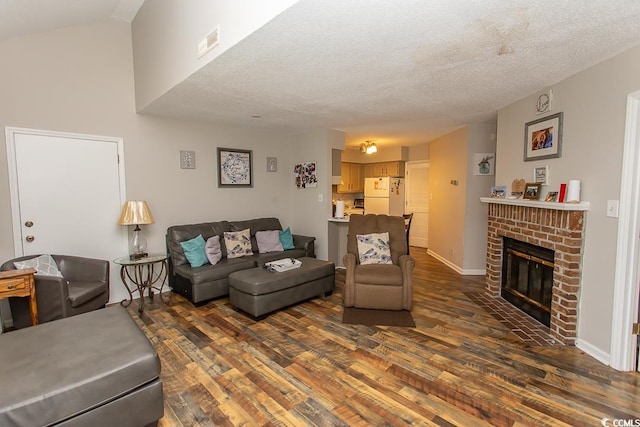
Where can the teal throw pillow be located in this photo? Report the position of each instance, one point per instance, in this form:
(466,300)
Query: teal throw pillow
(194,251)
(286,239)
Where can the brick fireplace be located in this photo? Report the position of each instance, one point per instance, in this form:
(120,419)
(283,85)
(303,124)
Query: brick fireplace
(554,226)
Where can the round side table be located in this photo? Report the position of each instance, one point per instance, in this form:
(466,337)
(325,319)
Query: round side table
(145,273)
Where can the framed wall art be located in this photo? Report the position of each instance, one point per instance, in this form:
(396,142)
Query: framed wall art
(305,174)
(541,175)
(484,163)
(543,138)
(234,168)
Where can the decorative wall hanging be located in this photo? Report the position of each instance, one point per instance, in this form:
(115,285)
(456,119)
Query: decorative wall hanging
(305,175)
(234,168)
(484,163)
(543,138)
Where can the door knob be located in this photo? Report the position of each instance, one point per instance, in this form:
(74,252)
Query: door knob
(28,224)
(30,239)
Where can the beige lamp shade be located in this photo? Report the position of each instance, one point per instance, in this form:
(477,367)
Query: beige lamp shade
(135,212)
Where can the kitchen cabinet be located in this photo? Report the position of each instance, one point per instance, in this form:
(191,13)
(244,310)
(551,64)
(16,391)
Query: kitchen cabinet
(377,170)
(352,178)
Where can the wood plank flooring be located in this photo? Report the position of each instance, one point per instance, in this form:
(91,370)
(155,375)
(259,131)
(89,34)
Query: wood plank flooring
(302,366)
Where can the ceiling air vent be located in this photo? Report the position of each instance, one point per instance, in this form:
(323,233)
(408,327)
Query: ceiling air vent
(208,42)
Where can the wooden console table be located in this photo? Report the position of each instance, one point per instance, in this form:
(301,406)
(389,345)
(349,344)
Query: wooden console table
(20,283)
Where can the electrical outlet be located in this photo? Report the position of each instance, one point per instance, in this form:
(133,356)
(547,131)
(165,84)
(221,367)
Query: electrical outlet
(187,159)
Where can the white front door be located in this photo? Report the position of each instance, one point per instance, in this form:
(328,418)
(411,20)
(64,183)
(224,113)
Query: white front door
(66,194)
(417,194)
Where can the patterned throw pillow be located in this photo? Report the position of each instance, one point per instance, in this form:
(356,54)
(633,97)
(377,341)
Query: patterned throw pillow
(238,243)
(45,265)
(374,248)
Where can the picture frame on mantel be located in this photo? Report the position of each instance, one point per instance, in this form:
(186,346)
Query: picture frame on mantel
(543,138)
(532,191)
(234,168)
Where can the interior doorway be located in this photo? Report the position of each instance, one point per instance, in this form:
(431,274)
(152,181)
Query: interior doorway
(626,300)
(417,202)
(66,194)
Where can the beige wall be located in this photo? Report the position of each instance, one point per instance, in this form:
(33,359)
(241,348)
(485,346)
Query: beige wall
(457,219)
(80,79)
(419,152)
(594,105)
(448,162)
(166,36)
(308,211)
(482,139)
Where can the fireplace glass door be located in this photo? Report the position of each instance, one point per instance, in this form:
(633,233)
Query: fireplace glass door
(527,278)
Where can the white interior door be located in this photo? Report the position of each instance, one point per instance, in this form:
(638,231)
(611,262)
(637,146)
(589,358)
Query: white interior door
(417,201)
(66,194)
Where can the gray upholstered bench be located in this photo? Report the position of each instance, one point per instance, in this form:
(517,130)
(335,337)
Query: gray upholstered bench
(258,291)
(93,369)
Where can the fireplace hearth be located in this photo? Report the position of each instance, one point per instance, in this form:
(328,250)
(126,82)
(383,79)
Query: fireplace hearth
(527,278)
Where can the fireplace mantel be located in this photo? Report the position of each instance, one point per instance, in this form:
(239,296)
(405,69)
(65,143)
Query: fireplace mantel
(582,206)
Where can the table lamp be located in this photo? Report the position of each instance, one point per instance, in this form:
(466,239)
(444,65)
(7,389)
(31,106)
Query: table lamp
(136,212)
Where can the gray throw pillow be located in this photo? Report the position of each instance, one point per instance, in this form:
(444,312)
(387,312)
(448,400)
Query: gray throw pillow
(212,249)
(269,241)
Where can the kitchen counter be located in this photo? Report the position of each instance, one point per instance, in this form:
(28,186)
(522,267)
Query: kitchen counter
(339,219)
(338,229)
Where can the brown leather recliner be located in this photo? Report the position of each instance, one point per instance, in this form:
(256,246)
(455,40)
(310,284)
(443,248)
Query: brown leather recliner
(83,287)
(378,286)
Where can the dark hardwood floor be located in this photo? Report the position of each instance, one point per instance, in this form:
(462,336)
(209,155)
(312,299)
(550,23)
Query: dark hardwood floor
(301,366)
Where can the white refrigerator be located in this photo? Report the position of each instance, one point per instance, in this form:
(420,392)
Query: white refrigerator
(384,196)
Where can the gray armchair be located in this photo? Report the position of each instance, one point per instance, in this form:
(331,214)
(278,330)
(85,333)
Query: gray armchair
(83,287)
(378,286)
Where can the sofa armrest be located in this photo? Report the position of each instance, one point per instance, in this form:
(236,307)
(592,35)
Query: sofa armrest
(52,295)
(349,292)
(305,242)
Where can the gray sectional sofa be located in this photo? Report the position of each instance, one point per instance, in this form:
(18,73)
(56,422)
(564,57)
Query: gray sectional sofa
(212,281)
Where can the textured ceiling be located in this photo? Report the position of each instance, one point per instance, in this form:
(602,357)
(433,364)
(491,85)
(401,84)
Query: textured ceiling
(397,72)
(401,72)
(20,17)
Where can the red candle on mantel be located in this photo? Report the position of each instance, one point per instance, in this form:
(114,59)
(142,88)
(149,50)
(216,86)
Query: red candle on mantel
(563,191)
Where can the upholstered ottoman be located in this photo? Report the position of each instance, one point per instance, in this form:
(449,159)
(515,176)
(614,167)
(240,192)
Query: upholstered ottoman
(258,291)
(94,369)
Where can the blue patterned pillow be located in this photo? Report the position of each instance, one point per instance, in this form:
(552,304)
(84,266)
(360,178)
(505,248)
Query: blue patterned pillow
(194,251)
(374,248)
(238,243)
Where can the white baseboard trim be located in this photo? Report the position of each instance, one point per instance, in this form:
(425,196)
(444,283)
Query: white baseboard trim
(445,261)
(464,272)
(593,351)
(474,272)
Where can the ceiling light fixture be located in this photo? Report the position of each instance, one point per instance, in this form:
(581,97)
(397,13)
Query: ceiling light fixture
(368,147)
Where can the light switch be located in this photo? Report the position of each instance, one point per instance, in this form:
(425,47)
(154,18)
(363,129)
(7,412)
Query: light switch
(320,198)
(187,159)
(612,208)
